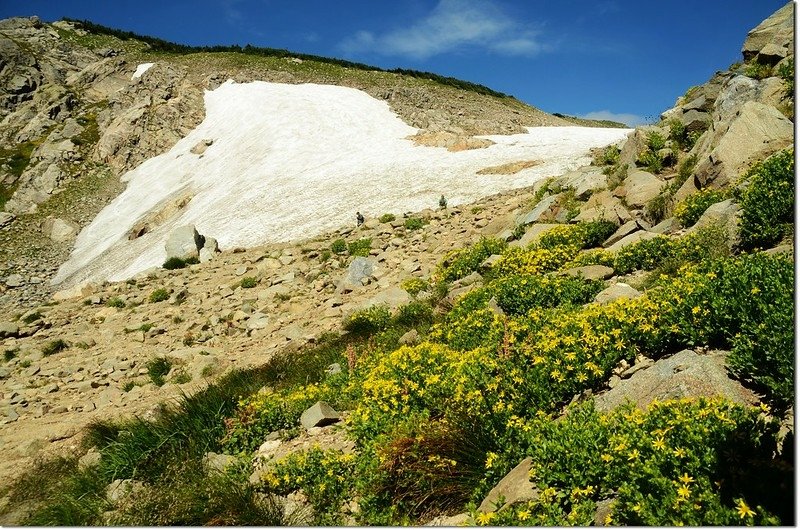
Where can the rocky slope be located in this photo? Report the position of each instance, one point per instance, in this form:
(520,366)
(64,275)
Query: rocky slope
(87,355)
(73,120)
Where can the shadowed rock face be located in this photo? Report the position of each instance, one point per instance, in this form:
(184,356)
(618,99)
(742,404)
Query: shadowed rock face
(773,39)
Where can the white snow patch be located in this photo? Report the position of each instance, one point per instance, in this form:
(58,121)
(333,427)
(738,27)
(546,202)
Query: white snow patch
(293,161)
(140,70)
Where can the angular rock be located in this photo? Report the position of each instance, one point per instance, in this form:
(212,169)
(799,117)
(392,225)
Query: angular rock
(626,229)
(640,187)
(217,463)
(15,280)
(184,242)
(753,133)
(725,215)
(6,218)
(319,415)
(666,227)
(409,338)
(360,269)
(59,230)
(119,489)
(513,488)
(685,374)
(539,211)
(533,233)
(603,206)
(773,38)
(615,292)
(635,237)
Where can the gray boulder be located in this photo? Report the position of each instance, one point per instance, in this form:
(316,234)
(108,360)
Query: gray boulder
(540,211)
(8,329)
(319,414)
(59,230)
(533,233)
(615,292)
(641,186)
(360,271)
(513,488)
(6,218)
(752,134)
(630,239)
(634,225)
(685,374)
(590,272)
(184,243)
(15,280)
(725,215)
(773,39)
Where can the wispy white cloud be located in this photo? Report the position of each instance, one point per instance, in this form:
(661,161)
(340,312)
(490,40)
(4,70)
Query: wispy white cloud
(632,120)
(232,14)
(452,25)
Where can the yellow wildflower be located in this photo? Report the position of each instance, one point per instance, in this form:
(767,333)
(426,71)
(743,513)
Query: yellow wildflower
(485,517)
(524,515)
(686,479)
(743,509)
(684,492)
(659,444)
(605,457)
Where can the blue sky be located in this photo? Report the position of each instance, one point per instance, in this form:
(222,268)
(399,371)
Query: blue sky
(618,59)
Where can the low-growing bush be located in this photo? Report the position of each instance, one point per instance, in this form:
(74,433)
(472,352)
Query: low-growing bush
(54,346)
(689,210)
(32,317)
(767,201)
(178,263)
(360,247)
(339,246)
(414,223)
(415,313)
(459,263)
(367,321)
(414,286)
(248,282)
(157,368)
(643,255)
(159,295)
(608,156)
(655,141)
(652,161)
(387,218)
(115,302)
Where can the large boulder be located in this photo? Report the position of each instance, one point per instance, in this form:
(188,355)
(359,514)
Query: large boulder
(603,206)
(359,273)
(773,39)
(184,243)
(752,134)
(725,215)
(59,230)
(685,374)
(513,488)
(533,234)
(540,211)
(640,187)
(630,239)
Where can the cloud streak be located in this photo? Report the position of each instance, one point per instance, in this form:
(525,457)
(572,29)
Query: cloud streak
(631,120)
(451,26)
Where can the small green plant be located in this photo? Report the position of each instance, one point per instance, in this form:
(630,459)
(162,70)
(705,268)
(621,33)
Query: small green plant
(31,318)
(414,223)
(325,255)
(115,302)
(178,263)
(10,354)
(127,386)
(681,136)
(159,295)
(181,377)
(177,319)
(414,314)
(25,363)
(414,286)
(339,246)
(689,210)
(656,141)
(786,73)
(387,218)
(368,321)
(54,346)
(757,70)
(157,368)
(459,263)
(652,161)
(248,282)
(608,156)
(360,247)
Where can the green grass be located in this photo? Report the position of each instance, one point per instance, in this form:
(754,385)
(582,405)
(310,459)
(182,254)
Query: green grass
(157,368)
(248,282)
(31,318)
(159,295)
(54,346)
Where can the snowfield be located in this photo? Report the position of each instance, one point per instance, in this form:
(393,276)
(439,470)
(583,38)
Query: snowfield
(293,161)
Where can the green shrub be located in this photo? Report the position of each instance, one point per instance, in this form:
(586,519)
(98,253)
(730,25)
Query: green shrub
(32,317)
(414,223)
(181,377)
(757,70)
(683,138)
(689,210)
(643,255)
(652,161)
(339,246)
(414,314)
(516,295)
(387,218)
(157,368)
(360,247)
(767,201)
(414,286)
(368,321)
(248,282)
(581,235)
(115,302)
(608,156)
(325,255)
(459,263)
(54,346)
(178,263)
(656,141)
(10,354)
(159,295)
